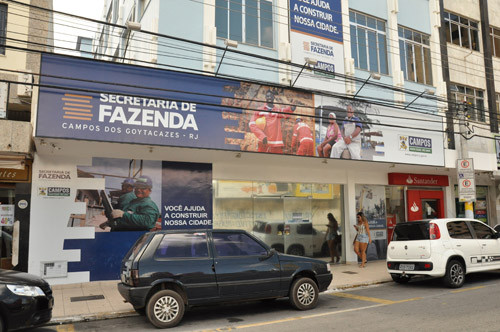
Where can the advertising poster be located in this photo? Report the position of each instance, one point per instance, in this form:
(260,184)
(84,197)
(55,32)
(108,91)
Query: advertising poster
(97,102)
(378,133)
(170,108)
(6,214)
(137,196)
(316,33)
(371,201)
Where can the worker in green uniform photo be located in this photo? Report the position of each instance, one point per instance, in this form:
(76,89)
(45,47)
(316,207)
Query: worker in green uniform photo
(139,214)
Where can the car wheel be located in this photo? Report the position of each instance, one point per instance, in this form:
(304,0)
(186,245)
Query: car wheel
(304,294)
(455,274)
(296,250)
(400,279)
(165,309)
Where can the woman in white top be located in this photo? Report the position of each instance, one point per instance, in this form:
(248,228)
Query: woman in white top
(363,237)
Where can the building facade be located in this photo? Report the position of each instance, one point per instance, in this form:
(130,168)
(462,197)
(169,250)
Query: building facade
(206,102)
(18,24)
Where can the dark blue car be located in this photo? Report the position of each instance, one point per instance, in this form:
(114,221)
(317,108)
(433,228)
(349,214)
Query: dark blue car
(168,271)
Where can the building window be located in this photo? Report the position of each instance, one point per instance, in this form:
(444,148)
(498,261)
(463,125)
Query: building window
(495,41)
(143,4)
(473,96)
(3,27)
(415,55)
(368,43)
(461,31)
(246,21)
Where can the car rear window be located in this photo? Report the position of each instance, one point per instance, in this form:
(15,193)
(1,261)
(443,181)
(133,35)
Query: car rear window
(138,245)
(183,245)
(411,231)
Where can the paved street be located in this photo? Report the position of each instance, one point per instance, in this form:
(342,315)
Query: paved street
(420,305)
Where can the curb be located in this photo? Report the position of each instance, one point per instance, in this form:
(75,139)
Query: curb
(131,313)
(91,317)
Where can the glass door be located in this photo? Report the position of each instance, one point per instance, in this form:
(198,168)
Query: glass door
(7,204)
(299,233)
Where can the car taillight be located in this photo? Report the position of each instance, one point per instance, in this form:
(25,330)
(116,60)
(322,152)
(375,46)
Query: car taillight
(389,265)
(434,232)
(268,229)
(134,277)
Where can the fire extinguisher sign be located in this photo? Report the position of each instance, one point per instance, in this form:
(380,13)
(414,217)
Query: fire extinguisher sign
(466,180)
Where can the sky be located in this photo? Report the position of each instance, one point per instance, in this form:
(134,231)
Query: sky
(66,36)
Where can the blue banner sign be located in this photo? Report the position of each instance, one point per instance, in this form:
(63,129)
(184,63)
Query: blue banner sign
(319,18)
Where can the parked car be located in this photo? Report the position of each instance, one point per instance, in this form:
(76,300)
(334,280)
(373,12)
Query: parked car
(297,238)
(448,248)
(166,272)
(25,300)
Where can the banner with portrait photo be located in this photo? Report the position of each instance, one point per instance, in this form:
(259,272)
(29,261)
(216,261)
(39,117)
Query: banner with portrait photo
(123,199)
(347,129)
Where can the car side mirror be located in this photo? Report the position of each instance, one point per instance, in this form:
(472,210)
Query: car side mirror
(270,253)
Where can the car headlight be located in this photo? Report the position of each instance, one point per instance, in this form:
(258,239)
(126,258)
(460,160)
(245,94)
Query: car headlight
(22,290)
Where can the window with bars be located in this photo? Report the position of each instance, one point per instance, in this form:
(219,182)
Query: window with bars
(368,43)
(461,31)
(3,27)
(415,56)
(473,96)
(245,21)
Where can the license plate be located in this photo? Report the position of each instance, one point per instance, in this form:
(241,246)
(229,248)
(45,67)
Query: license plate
(407,267)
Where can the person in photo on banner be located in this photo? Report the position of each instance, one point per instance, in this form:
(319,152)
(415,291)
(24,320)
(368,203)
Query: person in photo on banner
(332,136)
(363,237)
(351,136)
(126,194)
(303,138)
(265,124)
(140,214)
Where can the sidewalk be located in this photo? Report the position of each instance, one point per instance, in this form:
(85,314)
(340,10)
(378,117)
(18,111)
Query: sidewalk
(101,300)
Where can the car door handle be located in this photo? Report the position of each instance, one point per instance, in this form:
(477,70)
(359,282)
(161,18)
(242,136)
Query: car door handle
(458,245)
(484,244)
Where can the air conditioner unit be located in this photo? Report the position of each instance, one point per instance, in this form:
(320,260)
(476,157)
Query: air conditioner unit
(24,90)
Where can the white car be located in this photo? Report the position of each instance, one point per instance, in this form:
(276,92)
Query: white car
(298,238)
(448,248)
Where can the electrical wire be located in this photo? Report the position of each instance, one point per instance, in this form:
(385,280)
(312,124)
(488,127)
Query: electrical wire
(405,91)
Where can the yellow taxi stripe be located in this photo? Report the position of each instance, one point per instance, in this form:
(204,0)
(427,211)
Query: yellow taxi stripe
(467,289)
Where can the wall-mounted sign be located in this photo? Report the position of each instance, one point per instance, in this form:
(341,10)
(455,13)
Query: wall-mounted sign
(16,175)
(466,180)
(427,180)
(316,33)
(97,102)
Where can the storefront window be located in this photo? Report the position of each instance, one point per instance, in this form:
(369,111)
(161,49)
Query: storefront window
(480,206)
(7,200)
(290,217)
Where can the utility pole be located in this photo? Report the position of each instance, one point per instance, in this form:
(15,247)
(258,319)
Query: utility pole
(465,165)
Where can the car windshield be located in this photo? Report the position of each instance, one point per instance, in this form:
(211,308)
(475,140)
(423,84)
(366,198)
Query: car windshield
(411,231)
